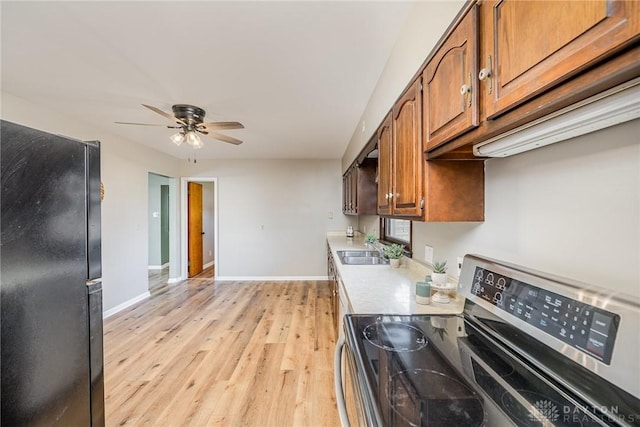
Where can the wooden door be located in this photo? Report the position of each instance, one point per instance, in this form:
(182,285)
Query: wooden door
(407,156)
(450,93)
(534,45)
(195,228)
(385,161)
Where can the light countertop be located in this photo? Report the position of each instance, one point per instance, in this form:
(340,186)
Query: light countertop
(380,289)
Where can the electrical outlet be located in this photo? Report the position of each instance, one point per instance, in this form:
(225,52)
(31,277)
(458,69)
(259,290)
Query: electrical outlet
(459,265)
(428,254)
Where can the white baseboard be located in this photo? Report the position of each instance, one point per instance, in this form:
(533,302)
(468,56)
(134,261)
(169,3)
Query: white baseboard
(158,267)
(174,280)
(125,304)
(209,264)
(270,278)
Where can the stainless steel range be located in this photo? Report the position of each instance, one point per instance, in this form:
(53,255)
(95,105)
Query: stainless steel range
(528,350)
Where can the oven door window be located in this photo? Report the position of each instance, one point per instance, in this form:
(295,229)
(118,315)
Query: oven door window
(522,394)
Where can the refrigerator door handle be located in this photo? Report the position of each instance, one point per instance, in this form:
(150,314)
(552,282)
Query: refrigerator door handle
(94,284)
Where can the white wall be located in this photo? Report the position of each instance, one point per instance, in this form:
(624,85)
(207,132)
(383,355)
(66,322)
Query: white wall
(155,241)
(274,214)
(125,167)
(427,22)
(571,209)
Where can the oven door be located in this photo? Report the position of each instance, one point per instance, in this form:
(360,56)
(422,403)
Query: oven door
(521,393)
(354,403)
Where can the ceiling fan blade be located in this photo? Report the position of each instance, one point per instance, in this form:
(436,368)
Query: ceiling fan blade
(139,124)
(165,115)
(224,138)
(222,125)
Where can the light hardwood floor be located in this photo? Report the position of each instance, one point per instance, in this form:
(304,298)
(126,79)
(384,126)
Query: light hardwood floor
(208,353)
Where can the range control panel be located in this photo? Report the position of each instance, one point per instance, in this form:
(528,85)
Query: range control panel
(589,329)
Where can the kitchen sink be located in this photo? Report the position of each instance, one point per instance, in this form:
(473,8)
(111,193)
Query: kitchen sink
(361,258)
(358,253)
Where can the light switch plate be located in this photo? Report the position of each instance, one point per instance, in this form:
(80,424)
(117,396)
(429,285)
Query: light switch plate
(428,254)
(459,265)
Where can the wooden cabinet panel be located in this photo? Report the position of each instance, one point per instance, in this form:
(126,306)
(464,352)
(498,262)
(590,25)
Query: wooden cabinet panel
(385,169)
(332,274)
(450,93)
(349,192)
(407,153)
(532,46)
(454,190)
(359,189)
(421,190)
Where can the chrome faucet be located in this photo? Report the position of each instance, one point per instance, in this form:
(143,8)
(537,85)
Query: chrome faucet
(379,249)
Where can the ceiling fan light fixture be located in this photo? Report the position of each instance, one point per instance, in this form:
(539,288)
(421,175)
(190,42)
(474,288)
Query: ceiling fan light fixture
(189,120)
(177,138)
(194,140)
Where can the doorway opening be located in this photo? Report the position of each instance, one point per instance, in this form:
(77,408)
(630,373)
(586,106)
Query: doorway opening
(162,214)
(200,227)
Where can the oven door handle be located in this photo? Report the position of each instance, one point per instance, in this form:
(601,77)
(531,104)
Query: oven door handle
(337,380)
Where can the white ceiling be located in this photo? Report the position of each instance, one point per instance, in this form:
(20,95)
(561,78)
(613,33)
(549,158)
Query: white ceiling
(298,74)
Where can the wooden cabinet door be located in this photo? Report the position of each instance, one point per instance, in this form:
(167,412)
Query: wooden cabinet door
(353,183)
(346,193)
(407,153)
(450,93)
(534,45)
(385,168)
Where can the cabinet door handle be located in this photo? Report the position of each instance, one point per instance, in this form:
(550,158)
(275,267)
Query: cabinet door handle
(486,74)
(465,90)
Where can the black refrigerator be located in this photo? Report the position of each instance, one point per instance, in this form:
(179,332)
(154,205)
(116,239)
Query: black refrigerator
(50,279)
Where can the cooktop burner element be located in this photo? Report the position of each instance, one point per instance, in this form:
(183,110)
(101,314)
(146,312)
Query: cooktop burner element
(395,336)
(443,400)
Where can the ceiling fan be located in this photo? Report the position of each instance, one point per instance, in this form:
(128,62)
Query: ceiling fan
(188,119)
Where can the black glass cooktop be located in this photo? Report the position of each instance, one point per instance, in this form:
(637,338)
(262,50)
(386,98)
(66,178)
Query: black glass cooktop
(412,382)
(443,371)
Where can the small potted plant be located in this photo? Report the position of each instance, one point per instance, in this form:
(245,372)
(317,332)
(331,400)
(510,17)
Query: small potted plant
(370,240)
(394,252)
(439,274)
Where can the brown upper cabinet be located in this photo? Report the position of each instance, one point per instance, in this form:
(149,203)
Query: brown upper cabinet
(410,187)
(535,58)
(401,157)
(531,46)
(385,157)
(359,188)
(408,154)
(450,94)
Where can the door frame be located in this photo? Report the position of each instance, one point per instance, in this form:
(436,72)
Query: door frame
(185,225)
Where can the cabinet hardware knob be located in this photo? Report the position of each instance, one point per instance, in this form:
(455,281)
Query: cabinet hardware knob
(465,90)
(484,74)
